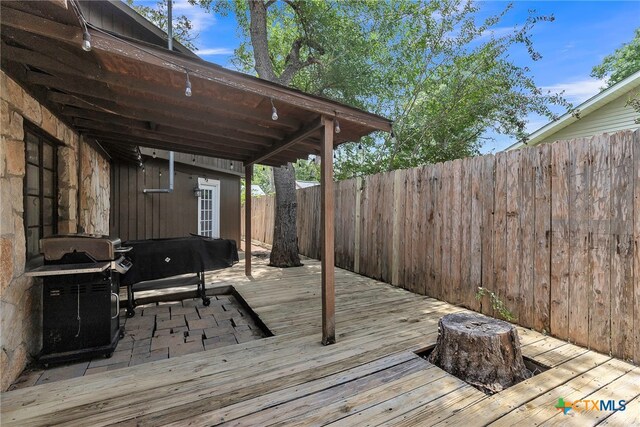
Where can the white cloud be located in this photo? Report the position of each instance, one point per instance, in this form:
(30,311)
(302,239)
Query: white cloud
(577,91)
(497,32)
(567,47)
(214,51)
(200,19)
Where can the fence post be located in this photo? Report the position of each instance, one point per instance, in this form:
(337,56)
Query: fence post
(356,239)
(397,193)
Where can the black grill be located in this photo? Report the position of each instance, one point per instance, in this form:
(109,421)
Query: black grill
(80,302)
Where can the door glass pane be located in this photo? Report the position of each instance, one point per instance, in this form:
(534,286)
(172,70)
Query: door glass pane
(47,211)
(47,156)
(48,231)
(33,239)
(33,211)
(32,151)
(47,183)
(33,182)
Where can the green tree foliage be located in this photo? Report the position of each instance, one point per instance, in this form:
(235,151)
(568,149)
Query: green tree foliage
(306,170)
(621,63)
(435,67)
(263,177)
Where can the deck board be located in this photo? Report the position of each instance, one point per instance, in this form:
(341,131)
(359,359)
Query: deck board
(370,377)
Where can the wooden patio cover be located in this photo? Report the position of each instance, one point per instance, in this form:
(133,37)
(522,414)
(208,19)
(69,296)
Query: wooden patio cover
(126,92)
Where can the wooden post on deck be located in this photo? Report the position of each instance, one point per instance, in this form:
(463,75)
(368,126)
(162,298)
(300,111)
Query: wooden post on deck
(327,219)
(248,173)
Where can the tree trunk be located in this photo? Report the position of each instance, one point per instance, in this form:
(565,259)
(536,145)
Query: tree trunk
(480,350)
(259,40)
(284,252)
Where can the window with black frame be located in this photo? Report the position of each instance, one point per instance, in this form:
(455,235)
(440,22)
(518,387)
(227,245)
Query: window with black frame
(40,189)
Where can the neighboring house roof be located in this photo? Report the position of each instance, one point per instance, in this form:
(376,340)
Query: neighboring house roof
(256,190)
(306,184)
(582,111)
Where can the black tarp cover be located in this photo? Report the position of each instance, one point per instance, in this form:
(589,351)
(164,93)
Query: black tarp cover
(159,258)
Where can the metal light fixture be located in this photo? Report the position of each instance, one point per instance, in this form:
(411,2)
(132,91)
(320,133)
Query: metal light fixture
(86,40)
(196,191)
(187,90)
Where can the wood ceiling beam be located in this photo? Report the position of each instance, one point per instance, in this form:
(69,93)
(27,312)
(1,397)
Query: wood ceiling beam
(208,149)
(83,69)
(189,150)
(116,138)
(88,126)
(38,25)
(107,121)
(288,142)
(163,59)
(135,106)
(25,56)
(167,118)
(166,123)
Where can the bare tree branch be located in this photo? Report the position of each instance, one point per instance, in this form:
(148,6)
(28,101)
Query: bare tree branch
(293,61)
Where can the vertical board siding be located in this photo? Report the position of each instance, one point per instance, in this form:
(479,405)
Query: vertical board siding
(579,274)
(526,292)
(599,250)
(553,230)
(136,215)
(542,238)
(635,335)
(560,255)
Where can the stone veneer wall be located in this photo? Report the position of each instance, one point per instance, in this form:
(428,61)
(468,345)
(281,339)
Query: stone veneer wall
(95,194)
(20,297)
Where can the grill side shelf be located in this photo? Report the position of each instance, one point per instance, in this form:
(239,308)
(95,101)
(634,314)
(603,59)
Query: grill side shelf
(57,270)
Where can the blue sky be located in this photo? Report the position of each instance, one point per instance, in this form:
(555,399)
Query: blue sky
(582,34)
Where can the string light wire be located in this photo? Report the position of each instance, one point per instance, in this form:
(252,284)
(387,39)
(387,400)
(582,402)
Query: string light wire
(86,24)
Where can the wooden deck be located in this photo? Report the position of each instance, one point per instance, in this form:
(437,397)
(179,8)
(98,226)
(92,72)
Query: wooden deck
(371,376)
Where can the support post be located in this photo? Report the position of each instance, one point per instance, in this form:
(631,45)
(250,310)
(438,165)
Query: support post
(327,220)
(248,174)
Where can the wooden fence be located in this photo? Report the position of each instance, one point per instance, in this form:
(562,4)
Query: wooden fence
(554,230)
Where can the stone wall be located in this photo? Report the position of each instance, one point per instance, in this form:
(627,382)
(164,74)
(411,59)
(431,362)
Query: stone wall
(20,296)
(95,194)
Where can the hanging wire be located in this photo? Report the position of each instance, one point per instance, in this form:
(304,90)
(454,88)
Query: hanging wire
(179,66)
(86,37)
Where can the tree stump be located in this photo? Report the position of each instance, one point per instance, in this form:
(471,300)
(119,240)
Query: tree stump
(480,350)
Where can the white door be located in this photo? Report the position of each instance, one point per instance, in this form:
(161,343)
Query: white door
(209,207)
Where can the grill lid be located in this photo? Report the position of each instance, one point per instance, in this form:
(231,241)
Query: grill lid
(100,248)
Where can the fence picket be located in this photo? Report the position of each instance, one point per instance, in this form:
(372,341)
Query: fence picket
(554,230)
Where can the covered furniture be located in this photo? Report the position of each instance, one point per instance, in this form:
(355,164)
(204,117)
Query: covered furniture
(182,261)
